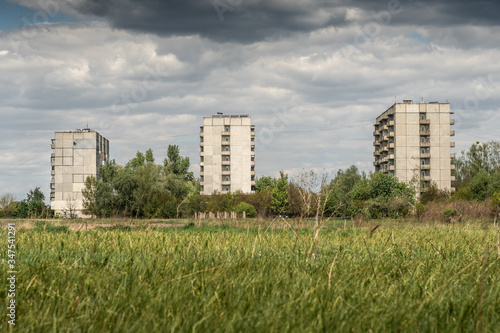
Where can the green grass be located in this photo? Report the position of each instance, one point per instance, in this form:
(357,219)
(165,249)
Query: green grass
(412,278)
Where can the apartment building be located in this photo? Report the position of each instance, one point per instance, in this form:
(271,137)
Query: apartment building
(227,154)
(413,143)
(75,156)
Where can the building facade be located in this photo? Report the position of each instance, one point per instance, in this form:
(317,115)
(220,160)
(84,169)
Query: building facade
(227,154)
(413,143)
(75,156)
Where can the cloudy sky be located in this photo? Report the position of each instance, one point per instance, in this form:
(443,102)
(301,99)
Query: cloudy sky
(313,75)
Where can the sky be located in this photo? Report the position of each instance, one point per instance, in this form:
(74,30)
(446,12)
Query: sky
(312,74)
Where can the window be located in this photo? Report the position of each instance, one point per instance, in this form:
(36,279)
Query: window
(227,188)
(201,188)
(202,159)
(422,116)
(53,168)
(201,168)
(252,139)
(201,139)
(252,158)
(201,149)
(227,128)
(422,150)
(226,178)
(423,162)
(202,178)
(253,178)
(225,168)
(225,138)
(253,168)
(225,148)
(252,148)
(423,173)
(52,186)
(226,158)
(53,159)
(53,141)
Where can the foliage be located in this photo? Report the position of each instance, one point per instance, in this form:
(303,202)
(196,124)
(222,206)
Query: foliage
(279,195)
(8,205)
(265,183)
(249,210)
(433,193)
(449,213)
(479,157)
(141,188)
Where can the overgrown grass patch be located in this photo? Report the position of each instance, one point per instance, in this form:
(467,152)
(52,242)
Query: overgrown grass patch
(257,278)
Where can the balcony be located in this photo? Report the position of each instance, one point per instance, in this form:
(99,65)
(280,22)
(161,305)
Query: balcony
(427,132)
(201,144)
(426,178)
(425,121)
(425,144)
(425,167)
(226,143)
(452,133)
(425,155)
(202,173)
(452,144)
(225,152)
(376,143)
(391,134)
(226,182)
(392,167)
(452,167)
(452,178)
(391,156)
(53,146)
(376,132)
(252,173)
(391,145)
(452,155)
(391,123)
(226,162)
(226,172)
(201,134)
(385,148)
(376,153)
(452,121)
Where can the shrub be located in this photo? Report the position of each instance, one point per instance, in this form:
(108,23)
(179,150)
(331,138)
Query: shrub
(247,208)
(419,210)
(449,213)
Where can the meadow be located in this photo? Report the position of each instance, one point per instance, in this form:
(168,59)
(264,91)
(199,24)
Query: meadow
(258,276)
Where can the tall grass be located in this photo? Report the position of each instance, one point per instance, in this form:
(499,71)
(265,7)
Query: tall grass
(204,279)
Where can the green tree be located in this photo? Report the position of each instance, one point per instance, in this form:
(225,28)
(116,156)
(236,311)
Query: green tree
(8,205)
(279,195)
(178,164)
(265,183)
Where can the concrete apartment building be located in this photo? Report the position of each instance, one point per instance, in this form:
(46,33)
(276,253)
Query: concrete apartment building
(75,156)
(227,154)
(412,142)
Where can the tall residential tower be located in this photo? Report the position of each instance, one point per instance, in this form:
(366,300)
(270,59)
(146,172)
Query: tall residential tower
(412,142)
(227,154)
(75,156)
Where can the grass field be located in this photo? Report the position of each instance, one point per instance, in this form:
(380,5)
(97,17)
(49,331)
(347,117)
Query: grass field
(246,277)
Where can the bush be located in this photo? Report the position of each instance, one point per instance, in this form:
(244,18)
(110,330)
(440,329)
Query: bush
(419,210)
(449,213)
(247,208)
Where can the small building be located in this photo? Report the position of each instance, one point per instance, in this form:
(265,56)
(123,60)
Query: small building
(75,156)
(413,143)
(227,154)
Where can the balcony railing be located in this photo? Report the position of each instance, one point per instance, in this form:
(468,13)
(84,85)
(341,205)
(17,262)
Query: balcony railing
(425,121)
(452,155)
(426,132)
(425,167)
(452,121)
(391,123)
(425,155)
(391,134)
(452,133)
(452,144)
(452,167)
(425,144)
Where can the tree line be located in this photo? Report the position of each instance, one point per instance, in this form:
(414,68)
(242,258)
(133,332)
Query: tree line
(144,189)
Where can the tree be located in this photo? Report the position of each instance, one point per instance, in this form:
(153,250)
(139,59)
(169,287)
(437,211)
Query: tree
(279,195)
(265,183)
(178,164)
(90,196)
(479,157)
(8,205)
